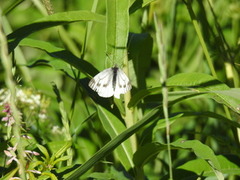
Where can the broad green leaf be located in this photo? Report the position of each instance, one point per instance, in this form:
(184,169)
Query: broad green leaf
(140,51)
(63,66)
(117,18)
(196,80)
(150,117)
(60,53)
(151,150)
(200,84)
(173,97)
(113,126)
(44,151)
(230,165)
(201,151)
(50,21)
(206,83)
(117,30)
(233,92)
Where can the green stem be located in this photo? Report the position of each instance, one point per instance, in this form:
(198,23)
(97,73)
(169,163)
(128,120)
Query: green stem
(200,37)
(163,70)
(7,65)
(129,117)
(202,42)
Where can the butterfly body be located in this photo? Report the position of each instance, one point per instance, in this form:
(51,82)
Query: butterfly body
(115,70)
(110,82)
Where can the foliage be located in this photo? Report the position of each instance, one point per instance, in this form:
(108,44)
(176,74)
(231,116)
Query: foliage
(180,120)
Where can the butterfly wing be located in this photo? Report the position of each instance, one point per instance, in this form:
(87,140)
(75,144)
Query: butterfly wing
(102,83)
(122,84)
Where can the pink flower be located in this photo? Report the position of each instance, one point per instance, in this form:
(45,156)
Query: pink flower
(10,152)
(32,152)
(35,171)
(8,118)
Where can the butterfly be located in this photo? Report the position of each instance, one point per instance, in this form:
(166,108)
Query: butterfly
(110,82)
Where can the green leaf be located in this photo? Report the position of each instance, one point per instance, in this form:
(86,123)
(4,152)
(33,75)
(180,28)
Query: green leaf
(34,164)
(101,176)
(63,149)
(230,165)
(63,158)
(139,4)
(112,174)
(150,117)
(162,124)
(44,151)
(59,147)
(151,94)
(147,153)
(10,6)
(114,127)
(151,150)
(10,174)
(117,30)
(212,115)
(60,53)
(233,92)
(50,21)
(47,175)
(139,96)
(140,51)
(200,84)
(63,66)
(201,151)
(206,83)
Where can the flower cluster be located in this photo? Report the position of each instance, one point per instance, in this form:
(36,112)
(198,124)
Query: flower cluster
(32,106)
(11,154)
(8,119)
(27,100)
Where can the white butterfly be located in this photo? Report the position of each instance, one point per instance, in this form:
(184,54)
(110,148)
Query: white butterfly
(110,82)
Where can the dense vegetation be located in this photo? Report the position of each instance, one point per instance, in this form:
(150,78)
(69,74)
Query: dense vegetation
(179,121)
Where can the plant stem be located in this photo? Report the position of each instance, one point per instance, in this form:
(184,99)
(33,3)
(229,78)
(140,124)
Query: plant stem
(163,70)
(200,37)
(7,65)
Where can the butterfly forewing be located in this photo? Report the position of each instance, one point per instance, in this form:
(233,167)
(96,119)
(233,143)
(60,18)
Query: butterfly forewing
(97,81)
(111,81)
(122,84)
(102,83)
(106,88)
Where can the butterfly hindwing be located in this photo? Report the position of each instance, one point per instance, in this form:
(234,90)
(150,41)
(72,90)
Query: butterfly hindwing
(102,83)
(106,88)
(109,82)
(122,84)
